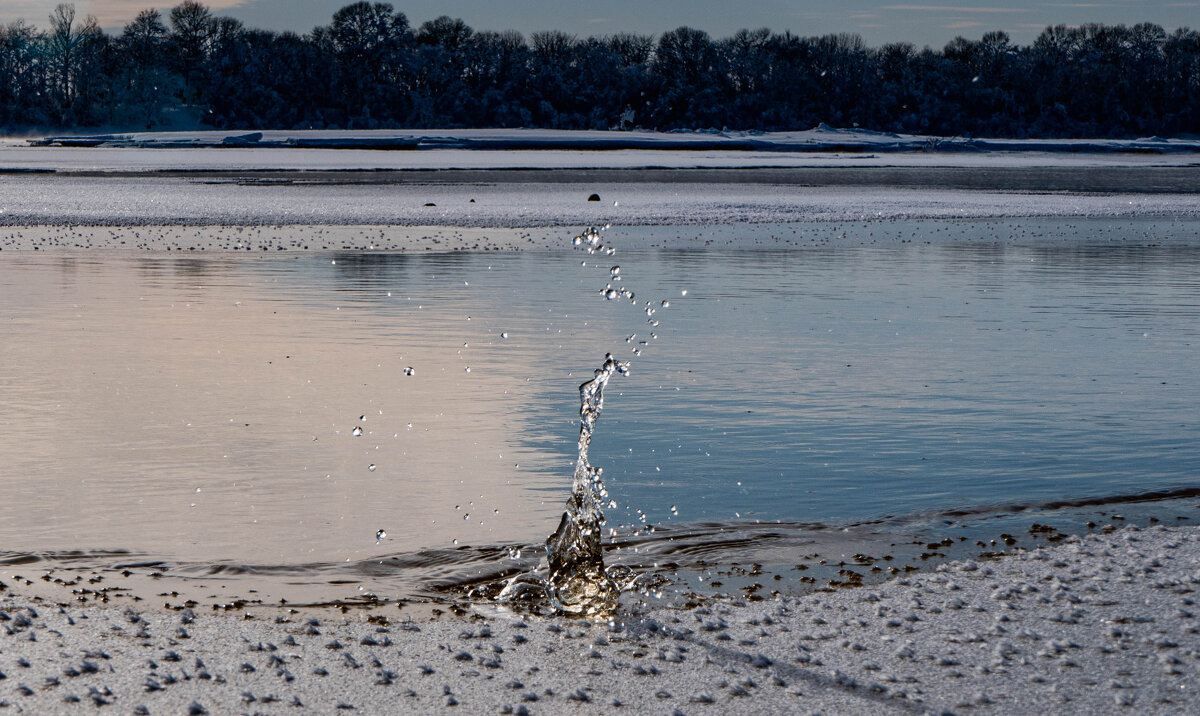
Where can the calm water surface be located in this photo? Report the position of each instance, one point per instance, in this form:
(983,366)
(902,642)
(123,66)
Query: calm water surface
(200,411)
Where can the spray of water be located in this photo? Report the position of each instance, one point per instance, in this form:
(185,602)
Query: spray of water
(577,581)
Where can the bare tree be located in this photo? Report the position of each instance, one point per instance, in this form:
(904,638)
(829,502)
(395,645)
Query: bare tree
(192,28)
(73,51)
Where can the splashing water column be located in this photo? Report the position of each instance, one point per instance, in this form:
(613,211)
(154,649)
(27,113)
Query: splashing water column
(577,581)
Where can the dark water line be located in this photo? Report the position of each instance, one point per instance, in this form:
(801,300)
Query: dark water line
(1132,179)
(1134,498)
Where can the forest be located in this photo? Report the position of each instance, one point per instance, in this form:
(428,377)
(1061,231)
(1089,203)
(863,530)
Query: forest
(369,68)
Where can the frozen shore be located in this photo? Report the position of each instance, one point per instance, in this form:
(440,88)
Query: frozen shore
(401,151)
(55,201)
(512,179)
(1094,624)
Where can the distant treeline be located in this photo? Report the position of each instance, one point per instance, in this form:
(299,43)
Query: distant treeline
(370,69)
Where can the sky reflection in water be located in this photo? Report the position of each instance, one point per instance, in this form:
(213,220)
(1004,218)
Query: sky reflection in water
(202,408)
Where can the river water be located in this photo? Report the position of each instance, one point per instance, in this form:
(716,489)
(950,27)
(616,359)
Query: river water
(322,425)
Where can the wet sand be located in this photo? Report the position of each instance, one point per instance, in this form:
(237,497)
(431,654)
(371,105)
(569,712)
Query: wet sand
(1094,624)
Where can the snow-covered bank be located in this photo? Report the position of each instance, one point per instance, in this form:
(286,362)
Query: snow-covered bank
(554,149)
(181,201)
(822,138)
(1099,624)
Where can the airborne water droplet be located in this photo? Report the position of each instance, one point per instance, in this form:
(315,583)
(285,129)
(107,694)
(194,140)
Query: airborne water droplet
(356,431)
(380,535)
(409,370)
(371,467)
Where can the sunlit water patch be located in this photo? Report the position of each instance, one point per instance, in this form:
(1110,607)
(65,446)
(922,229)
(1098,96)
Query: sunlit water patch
(306,426)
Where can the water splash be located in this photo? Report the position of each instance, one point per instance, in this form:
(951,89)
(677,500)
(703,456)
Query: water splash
(577,582)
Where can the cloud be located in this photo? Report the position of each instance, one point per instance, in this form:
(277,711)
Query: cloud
(963,25)
(955,9)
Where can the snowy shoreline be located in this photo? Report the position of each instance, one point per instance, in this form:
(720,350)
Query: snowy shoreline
(1098,623)
(55,202)
(540,149)
(821,138)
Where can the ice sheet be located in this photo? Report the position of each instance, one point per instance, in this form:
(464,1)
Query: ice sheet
(557,149)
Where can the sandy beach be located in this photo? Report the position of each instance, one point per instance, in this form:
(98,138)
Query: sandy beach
(1094,624)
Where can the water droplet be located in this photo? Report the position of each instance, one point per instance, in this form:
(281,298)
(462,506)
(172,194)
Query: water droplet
(683,292)
(610,293)
(666,304)
(357,431)
(467,369)
(615,271)
(371,467)
(504,335)
(197,489)
(408,370)
(380,535)
(467,516)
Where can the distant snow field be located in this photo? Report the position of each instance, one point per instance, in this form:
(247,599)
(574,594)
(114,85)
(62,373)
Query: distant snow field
(466,182)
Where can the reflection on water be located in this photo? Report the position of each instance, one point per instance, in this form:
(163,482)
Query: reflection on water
(204,411)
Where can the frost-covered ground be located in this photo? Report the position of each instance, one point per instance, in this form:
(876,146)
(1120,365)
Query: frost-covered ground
(1106,623)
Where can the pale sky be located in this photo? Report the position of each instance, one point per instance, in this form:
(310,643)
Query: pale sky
(924,22)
